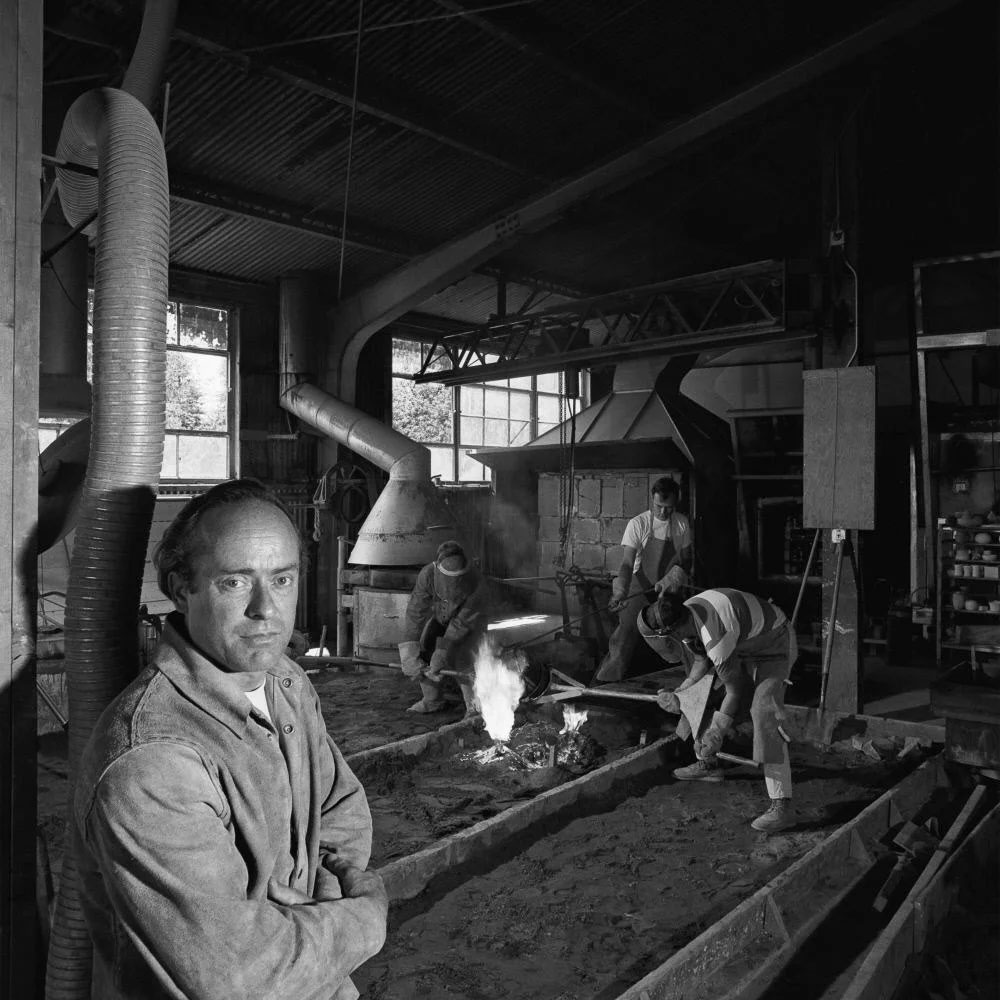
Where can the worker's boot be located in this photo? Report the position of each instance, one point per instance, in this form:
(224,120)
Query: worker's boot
(431,700)
(700,770)
(780,816)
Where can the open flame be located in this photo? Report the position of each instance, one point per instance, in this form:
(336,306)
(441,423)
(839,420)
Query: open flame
(498,687)
(573,719)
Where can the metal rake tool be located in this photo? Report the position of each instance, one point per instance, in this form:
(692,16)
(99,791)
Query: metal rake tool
(561,687)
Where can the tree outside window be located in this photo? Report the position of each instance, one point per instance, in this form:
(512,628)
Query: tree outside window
(452,421)
(198,440)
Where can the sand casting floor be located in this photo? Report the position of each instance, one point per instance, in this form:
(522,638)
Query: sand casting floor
(590,909)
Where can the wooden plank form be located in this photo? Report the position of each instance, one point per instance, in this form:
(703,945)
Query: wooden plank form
(20,254)
(772,922)
(771,925)
(928,902)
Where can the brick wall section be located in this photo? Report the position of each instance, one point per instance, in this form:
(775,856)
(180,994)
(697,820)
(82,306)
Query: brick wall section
(612,498)
(603,502)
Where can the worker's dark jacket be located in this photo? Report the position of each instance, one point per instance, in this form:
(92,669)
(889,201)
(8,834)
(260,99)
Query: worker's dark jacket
(458,604)
(187,802)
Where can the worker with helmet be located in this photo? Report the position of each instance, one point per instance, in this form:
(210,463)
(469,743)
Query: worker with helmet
(444,625)
(751,646)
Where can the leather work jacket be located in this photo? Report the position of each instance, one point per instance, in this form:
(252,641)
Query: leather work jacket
(457,604)
(187,802)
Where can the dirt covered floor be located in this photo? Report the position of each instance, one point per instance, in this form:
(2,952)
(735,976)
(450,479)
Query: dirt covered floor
(416,801)
(588,910)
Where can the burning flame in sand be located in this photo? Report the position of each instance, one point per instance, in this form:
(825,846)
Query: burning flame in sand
(573,719)
(498,688)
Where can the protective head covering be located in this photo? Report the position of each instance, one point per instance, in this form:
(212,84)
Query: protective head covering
(454,576)
(656,625)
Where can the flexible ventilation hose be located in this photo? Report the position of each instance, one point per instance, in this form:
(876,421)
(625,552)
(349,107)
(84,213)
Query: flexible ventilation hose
(114,131)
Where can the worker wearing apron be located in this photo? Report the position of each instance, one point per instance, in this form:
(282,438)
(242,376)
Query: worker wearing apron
(656,559)
(751,646)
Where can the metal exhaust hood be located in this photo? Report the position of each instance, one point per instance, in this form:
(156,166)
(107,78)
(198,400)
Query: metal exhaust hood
(644,422)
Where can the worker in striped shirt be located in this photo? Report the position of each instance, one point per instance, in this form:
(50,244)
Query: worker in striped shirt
(750,645)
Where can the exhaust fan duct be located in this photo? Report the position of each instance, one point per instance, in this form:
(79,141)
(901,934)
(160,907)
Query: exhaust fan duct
(409,520)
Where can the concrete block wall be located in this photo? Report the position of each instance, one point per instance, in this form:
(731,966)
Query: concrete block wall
(602,502)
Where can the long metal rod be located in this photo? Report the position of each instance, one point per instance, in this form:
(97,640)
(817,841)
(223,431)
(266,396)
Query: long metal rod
(572,621)
(565,691)
(372,308)
(828,651)
(47,698)
(805,578)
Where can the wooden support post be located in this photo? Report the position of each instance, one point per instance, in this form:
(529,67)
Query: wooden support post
(20,251)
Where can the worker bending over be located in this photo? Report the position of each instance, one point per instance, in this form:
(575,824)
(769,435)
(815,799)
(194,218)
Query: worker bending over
(445,623)
(751,646)
(656,559)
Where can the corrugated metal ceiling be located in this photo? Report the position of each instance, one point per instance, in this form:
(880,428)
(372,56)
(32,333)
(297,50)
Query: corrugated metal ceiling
(462,118)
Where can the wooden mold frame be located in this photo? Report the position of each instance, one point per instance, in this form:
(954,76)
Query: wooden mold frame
(914,925)
(770,924)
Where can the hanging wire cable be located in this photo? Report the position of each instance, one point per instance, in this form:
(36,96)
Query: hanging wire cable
(350,149)
(857,313)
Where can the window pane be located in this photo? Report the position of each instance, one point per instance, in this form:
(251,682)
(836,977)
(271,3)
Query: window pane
(549,382)
(520,406)
(197,391)
(520,432)
(203,326)
(548,409)
(406,356)
(46,435)
(471,471)
(497,433)
(472,430)
(472,400)
(168,470)
(524,382)
(496,402)
(443,463)
(422,412)
(202,457)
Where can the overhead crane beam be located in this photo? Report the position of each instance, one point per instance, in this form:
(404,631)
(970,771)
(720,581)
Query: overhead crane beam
(732,307)
(366,312)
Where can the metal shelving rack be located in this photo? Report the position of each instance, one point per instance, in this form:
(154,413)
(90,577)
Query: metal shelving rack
(934,332)
(973,578)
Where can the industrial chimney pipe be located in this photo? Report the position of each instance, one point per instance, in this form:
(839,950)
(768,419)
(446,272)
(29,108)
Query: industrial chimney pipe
(409,520)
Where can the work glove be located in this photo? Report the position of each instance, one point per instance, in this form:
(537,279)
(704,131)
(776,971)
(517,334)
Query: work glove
(409,658)
(439,662)
(668,701)
(712,739)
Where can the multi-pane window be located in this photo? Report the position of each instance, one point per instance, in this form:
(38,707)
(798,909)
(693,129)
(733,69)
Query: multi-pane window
(197,442)
(197,445)
(451,422)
